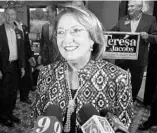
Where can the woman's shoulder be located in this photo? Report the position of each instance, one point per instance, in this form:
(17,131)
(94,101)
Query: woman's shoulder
(52,67)
(110,67)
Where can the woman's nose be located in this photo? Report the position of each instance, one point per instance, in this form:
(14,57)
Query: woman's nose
(68,37)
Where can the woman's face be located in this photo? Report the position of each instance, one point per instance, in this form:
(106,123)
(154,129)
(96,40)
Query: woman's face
(73,39)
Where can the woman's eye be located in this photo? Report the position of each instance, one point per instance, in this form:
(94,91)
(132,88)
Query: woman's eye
(76,30)
(60,32)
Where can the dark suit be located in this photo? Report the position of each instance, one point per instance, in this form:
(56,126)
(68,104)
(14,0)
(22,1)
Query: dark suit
(146,24)
(152,119)
(10,71)
(48,50)
(153,112)
(151,77)
(26,81)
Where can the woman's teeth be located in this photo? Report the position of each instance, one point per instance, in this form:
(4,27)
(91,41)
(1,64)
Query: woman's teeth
(71,48)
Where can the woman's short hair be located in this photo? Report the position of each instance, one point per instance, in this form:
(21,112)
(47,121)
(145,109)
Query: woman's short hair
(91,23)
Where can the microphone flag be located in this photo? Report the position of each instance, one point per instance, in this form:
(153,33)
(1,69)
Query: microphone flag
(116,124)
(47,124)
(97,124)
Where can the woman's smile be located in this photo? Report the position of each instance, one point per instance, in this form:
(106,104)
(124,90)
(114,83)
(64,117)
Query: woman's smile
(70,48)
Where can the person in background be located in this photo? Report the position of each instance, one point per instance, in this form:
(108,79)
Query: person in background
(48,50)
(151,76)
(26,82)
(83,78)
(137,21)
(152,119)
(2,20)
(80,3)
(11,65)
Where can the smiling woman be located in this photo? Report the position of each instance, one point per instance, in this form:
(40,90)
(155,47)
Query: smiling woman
(69,86)
(71,44)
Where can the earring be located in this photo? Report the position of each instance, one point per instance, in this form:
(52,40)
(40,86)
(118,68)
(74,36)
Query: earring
(91,48)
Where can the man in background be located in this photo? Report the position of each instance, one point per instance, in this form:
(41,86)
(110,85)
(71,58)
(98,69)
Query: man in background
(11,66)
(26,82)
(48,50)
(1,18)
(80,3)
(152,119)
(151,75)
(137,21)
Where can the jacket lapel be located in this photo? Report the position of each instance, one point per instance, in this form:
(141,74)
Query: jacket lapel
(127,25)
(18,36)
(142,23)
(5,39)
(5,35)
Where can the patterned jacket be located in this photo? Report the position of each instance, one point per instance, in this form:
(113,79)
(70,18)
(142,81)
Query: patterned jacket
(102,84)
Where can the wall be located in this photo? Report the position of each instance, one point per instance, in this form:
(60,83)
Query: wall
(106,11)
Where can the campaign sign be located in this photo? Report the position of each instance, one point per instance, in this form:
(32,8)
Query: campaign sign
(121,45)
(47,124)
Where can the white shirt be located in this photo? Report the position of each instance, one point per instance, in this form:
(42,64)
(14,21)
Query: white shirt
(134,23)
(12,43)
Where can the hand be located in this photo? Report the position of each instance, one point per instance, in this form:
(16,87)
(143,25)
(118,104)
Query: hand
(1,75)
(39,60)
(144,35)
(32,61)
(22,72)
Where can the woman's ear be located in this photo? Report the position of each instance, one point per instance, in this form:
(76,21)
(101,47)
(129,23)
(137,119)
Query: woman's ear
(91,42)
(91,45)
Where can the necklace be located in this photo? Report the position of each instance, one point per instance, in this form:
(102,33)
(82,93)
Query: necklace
(71,105)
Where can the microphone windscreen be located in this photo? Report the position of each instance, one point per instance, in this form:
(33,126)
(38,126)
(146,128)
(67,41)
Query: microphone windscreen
(86,112)
(47,124)
(54,110)
(104,112)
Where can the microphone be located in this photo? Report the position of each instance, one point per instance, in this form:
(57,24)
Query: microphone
(86,112)
(115,123)
(92,122)
(47,124)
(50,122)
(97,124)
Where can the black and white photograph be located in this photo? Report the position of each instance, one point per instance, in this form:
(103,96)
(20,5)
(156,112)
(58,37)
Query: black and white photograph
(78,66)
